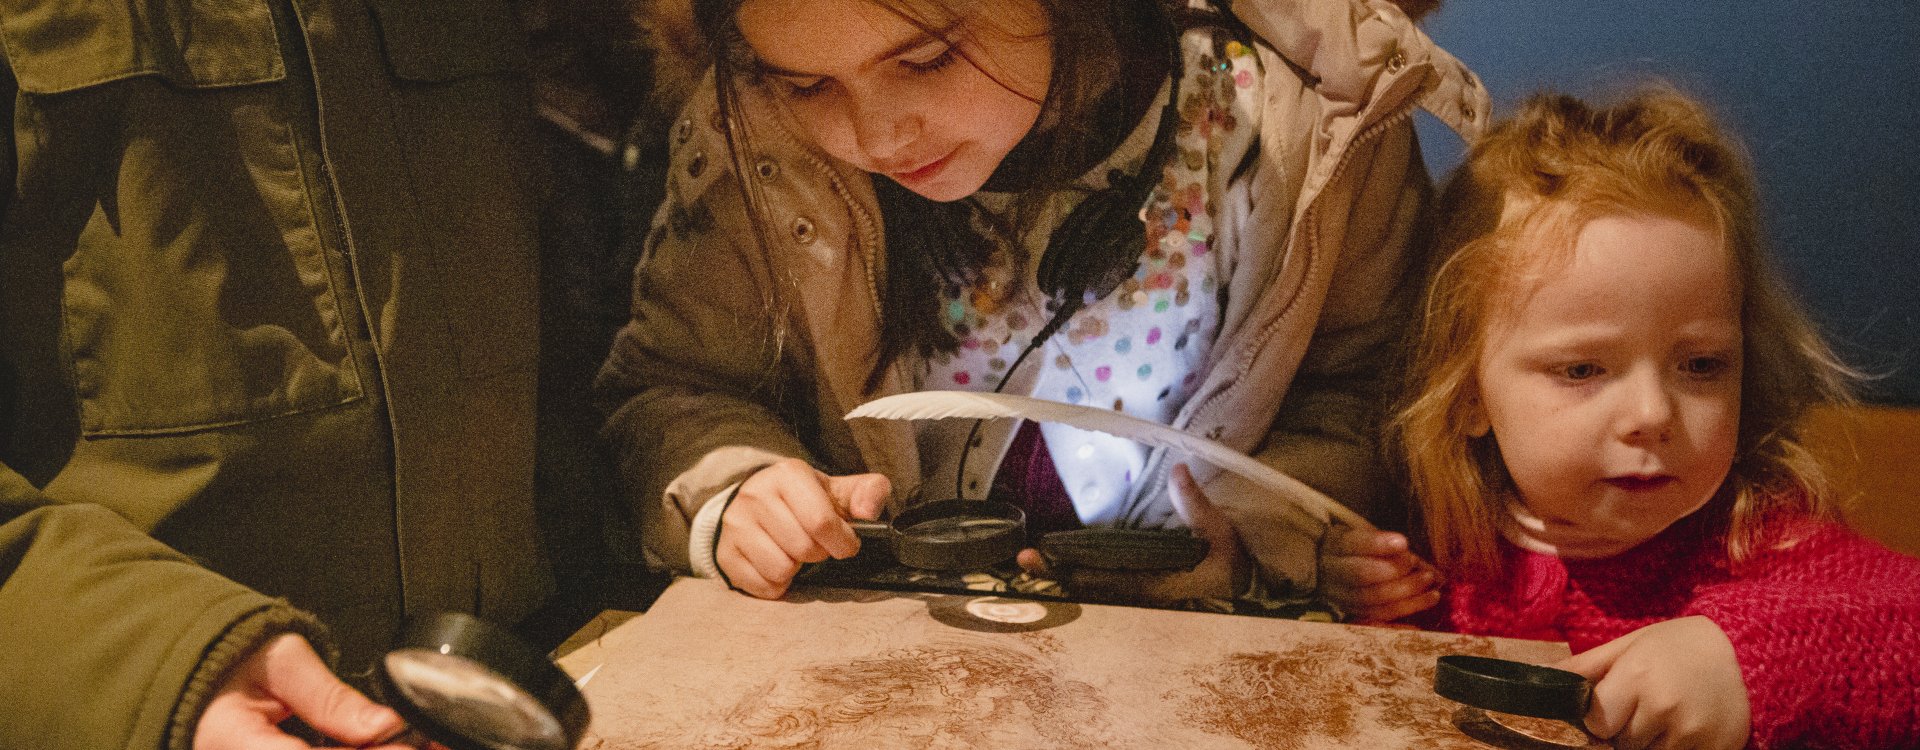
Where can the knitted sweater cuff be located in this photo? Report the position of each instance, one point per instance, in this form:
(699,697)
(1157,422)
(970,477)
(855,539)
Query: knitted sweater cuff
(703,535)
(1773,690)
(241,639)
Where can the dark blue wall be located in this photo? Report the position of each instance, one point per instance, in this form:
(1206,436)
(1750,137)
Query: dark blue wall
(1825,94)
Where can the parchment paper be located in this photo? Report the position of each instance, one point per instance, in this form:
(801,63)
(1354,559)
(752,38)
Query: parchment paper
(707,667)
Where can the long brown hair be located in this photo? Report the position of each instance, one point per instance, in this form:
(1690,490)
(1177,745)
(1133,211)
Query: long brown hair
(1106,53)
(1528,186)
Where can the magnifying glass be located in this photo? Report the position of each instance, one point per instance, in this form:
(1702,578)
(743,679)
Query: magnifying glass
(470,685)
(951,534)
(1511,687)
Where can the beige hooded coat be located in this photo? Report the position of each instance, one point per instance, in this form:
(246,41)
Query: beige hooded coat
(738,356)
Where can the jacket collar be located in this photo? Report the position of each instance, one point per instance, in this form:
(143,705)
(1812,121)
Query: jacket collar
(1366,58)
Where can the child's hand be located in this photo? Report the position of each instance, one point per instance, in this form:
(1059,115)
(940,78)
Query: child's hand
(1669,684)
(1216,576)
(1371,576)
(790,514)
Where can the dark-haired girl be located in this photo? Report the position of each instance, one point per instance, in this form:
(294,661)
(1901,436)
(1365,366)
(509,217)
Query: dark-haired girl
(1189,213)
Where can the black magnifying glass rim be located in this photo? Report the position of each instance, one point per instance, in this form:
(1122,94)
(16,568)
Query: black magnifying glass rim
(1512,687)
(918,551)
(463,635)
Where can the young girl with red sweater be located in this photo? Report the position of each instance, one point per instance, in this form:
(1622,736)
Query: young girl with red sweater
(1602,436)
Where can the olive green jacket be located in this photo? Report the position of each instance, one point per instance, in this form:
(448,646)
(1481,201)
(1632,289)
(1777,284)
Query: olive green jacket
(267,299)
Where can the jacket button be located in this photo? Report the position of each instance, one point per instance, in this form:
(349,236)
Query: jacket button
(803,230)
(697,164)
(766,168)
(683,131)
(1396,61)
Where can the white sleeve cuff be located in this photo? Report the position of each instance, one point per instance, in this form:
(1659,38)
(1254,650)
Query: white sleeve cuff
(704,531)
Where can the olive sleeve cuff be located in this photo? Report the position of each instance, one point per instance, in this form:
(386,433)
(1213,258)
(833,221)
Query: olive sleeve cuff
(245,635)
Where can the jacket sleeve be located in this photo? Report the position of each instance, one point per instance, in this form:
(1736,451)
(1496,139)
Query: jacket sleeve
(1828,640)
(109,638)
(698,382)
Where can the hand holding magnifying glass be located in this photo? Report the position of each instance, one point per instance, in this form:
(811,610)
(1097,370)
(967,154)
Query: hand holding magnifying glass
(787,515)
(286,679)
(466,684)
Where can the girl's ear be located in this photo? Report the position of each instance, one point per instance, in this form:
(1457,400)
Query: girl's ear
(1477,423)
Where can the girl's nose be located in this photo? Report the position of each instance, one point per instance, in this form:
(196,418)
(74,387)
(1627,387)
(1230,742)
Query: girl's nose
(1646,414)
(883,125)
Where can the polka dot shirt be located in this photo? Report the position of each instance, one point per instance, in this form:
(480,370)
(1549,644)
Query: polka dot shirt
(1143,348)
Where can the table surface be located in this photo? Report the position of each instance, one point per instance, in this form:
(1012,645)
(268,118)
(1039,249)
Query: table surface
(830,667)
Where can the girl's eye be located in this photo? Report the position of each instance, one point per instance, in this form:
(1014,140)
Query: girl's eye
(797,91)
(931,64)
(1581,371)
(1704,367)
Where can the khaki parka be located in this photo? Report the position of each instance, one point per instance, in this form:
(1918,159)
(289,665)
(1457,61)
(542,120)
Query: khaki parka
(737,356)
(267,309)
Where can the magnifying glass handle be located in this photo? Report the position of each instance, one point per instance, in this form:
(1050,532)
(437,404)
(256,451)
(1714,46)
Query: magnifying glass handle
(872,530)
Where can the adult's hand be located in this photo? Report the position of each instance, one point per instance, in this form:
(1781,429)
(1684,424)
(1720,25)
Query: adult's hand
(790,514)
(283,679)
(1218,575)
(1373,577)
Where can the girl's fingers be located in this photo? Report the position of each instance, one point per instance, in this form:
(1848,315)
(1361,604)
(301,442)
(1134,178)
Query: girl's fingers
(1645,734)
(1354,573)
(1612,710)
(783,524)
(1395,610)
(741,573)
(1199,512)
(1594,663)
(1032,561)
(1400,589)
(860,496)
(766,558)
(1354,542)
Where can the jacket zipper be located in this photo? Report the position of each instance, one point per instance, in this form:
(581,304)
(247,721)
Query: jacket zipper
(1308,233)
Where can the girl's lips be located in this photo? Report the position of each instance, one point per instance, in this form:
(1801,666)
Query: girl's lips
(1641,484)
(924,172)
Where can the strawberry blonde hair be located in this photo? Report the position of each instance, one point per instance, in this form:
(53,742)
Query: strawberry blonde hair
(1515,206)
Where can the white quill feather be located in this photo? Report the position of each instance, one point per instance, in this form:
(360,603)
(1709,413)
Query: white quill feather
(970,405)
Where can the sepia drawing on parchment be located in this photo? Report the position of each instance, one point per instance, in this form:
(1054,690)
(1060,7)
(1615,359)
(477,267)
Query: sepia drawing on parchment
(830,668)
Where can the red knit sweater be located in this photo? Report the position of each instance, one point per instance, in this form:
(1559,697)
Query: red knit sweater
(1827,631)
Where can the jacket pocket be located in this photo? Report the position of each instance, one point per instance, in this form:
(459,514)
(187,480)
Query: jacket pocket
(167,195)
(56,46)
